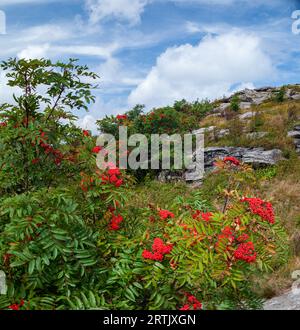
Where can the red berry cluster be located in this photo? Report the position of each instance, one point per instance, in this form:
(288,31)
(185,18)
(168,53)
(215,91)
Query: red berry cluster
(192,303)
(86,133)
(243,238)
(232,160)
(121,117)
(48,149)
(116,219)
(225,239)
(85,182)
(246,252)
(3,124)
(35,161)
(198,215)
(113,177)
(159,249)
(96,149)
(193,231)
(261,208)
(115,222)
(16,307)
(165,214)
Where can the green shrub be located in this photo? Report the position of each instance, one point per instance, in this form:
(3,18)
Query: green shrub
(235,103)
(279,95)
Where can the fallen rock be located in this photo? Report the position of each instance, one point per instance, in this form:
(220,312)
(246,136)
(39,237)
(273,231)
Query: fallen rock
(245,105)
(288,301)
(296,97)
(256,135)
(170,176)
(204,130)
(295,134)
(221,108)
(247,115)
(223,132)
(219,133)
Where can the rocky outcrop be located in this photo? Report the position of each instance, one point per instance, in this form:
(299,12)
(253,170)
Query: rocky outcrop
(257,157)
(249,97)
(256,96)
(291,94)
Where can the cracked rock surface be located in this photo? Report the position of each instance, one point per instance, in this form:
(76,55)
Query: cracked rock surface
(287,301)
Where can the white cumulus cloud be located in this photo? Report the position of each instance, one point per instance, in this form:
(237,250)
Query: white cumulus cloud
(123,10)
(207,70)
(36,51)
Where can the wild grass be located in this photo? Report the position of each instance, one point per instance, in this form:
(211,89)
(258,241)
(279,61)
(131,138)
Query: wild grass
(158,194)
(272,118)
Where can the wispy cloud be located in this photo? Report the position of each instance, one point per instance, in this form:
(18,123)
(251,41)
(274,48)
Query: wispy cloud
(124,10)
(21,2)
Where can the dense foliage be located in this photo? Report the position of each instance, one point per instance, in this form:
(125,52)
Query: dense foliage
(70,240)
(183,117)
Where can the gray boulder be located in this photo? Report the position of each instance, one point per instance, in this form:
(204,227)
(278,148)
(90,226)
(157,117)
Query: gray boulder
(295,134)
(296,97)
(245,105)
(204,130)
(170,176)
(221,108)
(255,156)
(219,133)
(222,132)
(258,157)
(287,301)
(247,115)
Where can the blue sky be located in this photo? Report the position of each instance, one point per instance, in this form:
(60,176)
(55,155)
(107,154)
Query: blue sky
(153,52)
